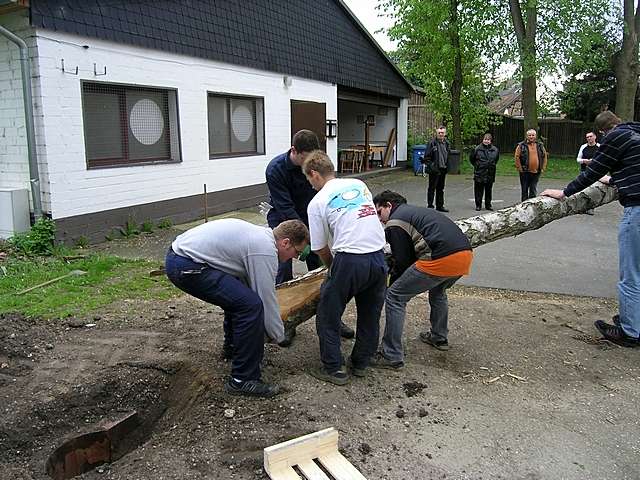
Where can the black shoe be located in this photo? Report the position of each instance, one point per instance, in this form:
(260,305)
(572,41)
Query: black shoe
(346,331)
(442,209)
(337,378)
(615,334)
(251,388)
(490,208)
(478,209)
(429,206)
(439,344)
(380,361)
(616,319)
(356,371)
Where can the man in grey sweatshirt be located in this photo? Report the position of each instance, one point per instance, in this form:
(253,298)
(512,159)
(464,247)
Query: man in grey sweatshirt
(232,264)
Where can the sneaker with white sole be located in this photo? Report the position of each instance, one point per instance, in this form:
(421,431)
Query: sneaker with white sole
(439,344)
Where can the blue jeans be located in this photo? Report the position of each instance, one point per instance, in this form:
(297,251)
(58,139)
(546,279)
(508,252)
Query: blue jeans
(411,283)
(364,277)
(243,309)
(629,284)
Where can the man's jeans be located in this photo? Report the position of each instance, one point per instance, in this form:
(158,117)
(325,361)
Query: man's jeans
(243,310)
(528,185)
(411,283)
(364,277)
(629,284)
(436,188)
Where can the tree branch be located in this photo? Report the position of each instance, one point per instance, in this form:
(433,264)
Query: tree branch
(518,22)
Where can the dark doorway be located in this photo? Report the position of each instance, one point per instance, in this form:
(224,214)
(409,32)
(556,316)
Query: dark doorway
(311,116)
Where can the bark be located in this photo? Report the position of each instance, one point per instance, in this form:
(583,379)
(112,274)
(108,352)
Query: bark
(627,67)
(456,85)
(299,298)
(526,37)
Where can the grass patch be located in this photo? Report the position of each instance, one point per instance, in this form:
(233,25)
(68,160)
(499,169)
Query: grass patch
(107,280)
(560,168)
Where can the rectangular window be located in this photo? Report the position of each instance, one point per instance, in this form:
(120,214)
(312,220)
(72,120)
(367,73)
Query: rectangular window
(127,125)
(236,125)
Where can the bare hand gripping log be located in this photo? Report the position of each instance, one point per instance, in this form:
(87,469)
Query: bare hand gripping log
(298,298)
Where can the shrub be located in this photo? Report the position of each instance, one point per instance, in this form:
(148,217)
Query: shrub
(40,240)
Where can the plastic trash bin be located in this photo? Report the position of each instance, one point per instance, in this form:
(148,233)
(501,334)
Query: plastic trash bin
(453,162)
(417,153)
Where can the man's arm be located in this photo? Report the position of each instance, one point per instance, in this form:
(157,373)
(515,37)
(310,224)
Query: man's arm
(402,250)
(579,158)
(517,159)
(261,272)
(281,195)
(325,255)
(545,158)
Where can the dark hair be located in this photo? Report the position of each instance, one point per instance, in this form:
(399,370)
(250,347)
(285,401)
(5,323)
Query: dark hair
(388,196)
(606,120)
(305,141)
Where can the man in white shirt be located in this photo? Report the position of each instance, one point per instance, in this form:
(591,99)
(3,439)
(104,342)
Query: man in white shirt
(346,234)
(586,153)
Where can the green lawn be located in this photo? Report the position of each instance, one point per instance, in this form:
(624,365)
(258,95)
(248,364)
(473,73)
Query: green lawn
(107,279)
(560,168)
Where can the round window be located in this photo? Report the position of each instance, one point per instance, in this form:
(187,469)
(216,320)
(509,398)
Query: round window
(242,122)
(146,121)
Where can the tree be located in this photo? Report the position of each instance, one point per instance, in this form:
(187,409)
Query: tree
(627,68)
(437,49)
(298,298)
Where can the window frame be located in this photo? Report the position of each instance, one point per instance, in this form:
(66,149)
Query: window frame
(228,97)
(120,162)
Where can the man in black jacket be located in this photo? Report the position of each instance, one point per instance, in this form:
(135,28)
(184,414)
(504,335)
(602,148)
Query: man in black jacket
(619,153)
(429,253)
(436,157)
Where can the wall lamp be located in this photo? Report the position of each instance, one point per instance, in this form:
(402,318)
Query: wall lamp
(332,128)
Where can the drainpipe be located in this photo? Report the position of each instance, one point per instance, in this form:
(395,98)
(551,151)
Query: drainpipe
(25,67)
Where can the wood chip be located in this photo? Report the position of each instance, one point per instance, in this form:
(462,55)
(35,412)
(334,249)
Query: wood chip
(522,379)
(495,379)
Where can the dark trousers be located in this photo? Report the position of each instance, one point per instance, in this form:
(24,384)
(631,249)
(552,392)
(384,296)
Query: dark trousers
(436,188)
(364,277)
(243,310)
(285,269)
(529,185)
(480,189)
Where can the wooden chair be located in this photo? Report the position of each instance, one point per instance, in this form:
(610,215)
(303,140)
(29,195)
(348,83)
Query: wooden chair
(351,160)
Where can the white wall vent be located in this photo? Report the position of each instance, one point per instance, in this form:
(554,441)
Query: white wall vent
(14,211)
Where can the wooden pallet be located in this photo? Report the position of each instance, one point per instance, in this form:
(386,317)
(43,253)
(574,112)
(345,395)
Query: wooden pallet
(306,454)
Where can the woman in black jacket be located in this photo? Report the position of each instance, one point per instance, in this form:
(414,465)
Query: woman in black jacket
(484,159)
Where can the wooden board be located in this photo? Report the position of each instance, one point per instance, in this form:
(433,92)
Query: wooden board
(303,453)
(390,144)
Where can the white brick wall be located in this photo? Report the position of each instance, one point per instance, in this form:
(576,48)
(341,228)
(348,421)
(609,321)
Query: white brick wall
(76,190)
(14,160)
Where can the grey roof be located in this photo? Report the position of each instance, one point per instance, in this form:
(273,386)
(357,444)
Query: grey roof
(316,39)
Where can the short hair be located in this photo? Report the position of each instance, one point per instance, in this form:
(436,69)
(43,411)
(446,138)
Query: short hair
(294,230)
(441,127)
(388,196)
(532,130)
(606,120)
(318,161)
(590,132)
(305,141)
(487,135)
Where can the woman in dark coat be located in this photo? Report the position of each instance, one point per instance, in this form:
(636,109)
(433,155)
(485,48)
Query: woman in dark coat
(484,158)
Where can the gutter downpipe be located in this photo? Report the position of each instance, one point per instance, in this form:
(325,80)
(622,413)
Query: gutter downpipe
(25,67)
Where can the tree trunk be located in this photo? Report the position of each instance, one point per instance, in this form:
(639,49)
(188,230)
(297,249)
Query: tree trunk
(298,298)
(627,68)
(526,36)
(456,85)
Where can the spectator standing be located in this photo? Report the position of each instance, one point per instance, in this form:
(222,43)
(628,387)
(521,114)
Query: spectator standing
(349,239)
(586,153)
(618,154)
(484,159)
(531,160)
(436,158)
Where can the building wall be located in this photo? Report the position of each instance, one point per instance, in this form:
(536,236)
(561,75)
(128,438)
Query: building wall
(14,159)
(78,191)
(351,132)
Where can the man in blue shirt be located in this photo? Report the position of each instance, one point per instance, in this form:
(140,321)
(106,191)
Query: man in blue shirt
(291,193)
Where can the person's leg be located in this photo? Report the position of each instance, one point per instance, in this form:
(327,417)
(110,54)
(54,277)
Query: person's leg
(285,272)
(629,261)
(440,188)
(227,349)
(411,283)
(477,193)
(533,184)
(431,190)
(371,279)
(243,309)
(524,188)
(439,316)
(335,293)
(488,195)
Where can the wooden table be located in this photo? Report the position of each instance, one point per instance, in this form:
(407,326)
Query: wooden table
(373,150)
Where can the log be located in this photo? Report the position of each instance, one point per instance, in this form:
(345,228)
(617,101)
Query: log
(298,298)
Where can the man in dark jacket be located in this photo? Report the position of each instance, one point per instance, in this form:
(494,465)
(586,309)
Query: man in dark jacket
(619,153)
(531,160)
(484,159)
(436,157)
(429,253)
(291,193)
